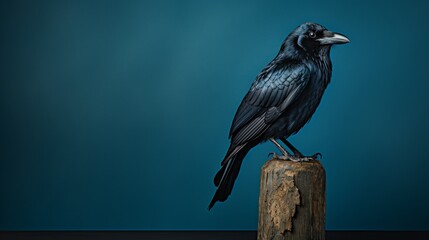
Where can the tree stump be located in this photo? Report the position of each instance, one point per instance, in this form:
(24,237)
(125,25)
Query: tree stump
(292,201)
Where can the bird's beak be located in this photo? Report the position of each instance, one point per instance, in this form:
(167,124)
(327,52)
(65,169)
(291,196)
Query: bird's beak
(332,38)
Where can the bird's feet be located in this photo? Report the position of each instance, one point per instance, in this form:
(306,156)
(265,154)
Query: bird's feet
(297,157)
(300,158)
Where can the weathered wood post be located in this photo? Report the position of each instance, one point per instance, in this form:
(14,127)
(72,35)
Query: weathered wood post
(292,201)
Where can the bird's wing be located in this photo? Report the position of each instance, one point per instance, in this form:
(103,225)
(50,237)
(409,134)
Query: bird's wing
(271,93)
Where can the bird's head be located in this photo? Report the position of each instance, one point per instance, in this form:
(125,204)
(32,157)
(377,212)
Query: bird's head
(312,39)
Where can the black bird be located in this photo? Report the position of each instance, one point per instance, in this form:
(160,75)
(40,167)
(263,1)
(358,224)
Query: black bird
(280,101)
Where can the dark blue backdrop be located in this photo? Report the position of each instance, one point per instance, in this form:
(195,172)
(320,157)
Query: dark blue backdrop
(115,114)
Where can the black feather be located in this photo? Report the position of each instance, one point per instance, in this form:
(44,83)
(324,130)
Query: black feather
(280,101)
(229,173)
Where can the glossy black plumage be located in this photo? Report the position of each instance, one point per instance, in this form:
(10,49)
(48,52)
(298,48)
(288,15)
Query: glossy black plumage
(281,100)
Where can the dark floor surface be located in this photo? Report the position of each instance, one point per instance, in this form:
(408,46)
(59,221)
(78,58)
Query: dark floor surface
(205,235)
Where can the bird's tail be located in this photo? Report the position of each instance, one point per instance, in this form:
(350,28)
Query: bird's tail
(225,177)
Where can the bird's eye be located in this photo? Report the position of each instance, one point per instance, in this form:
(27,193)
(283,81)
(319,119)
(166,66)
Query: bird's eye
(312,34)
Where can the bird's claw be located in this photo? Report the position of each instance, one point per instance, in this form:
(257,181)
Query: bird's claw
(300,158)
(316,155)
(281,157)
(289,158)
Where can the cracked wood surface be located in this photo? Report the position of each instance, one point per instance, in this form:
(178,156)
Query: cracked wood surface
(292,201)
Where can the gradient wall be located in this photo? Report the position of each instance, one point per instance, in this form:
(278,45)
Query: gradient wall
(115,114)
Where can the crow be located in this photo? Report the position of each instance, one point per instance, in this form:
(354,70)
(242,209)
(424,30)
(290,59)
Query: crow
(280,101)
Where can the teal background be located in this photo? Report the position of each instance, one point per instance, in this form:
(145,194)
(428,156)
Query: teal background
(115,114)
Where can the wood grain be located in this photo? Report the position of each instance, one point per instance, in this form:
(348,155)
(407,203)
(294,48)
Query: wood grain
(292,201)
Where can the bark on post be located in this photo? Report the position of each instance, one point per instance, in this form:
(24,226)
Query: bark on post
(292,201)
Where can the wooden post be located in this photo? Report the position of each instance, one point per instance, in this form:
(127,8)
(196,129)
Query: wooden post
(292,201)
